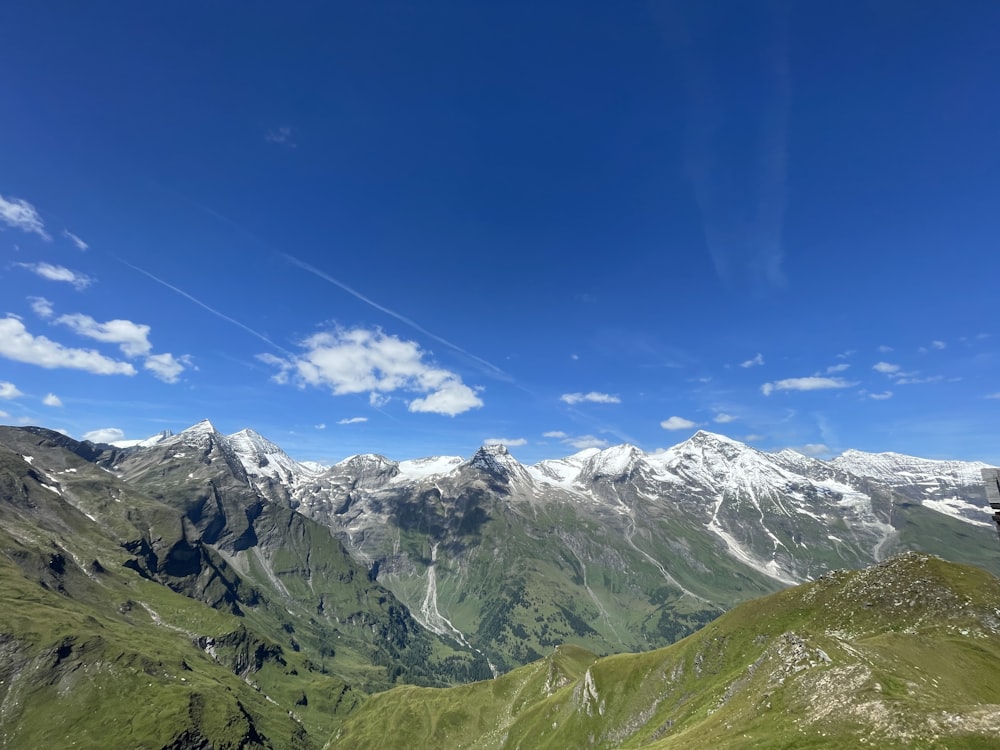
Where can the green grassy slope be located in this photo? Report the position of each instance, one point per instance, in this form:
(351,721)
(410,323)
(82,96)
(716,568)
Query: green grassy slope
(903,654)
(114,609)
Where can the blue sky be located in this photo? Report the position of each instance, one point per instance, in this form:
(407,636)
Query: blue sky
(412,228)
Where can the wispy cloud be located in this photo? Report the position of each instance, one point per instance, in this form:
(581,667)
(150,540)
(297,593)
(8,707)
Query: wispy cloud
(885,349)
(358,360)
(18,344)
(939,345)
(9,391)
(742,201)
(283,136)
(677,423)
(991,395)
(723,418)
(814,450)
(52,399)
(18,213)
(837,368)
(491,368)
(914,379)
(349,420)
(754,362)
(582,442)
(593,397)
(560,435)
(80,244)
(886,368)
(813,383)
(509,442)
(202,305)
(41,307)
(51,272)
(881,396)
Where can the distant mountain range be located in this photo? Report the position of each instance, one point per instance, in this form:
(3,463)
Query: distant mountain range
(266,582)
(616,548)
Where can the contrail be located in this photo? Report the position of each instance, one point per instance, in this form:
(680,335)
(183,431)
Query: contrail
(496,371)
(212,310)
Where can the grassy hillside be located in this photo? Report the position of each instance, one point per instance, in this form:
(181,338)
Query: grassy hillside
(902,654)
(115,609)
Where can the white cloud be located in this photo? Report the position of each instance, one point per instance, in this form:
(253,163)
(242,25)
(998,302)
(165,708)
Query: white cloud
(80,244)
(722,418)
(939,345)
(9,390)
(992,395)
(104,435)
(41,307)
(322,425)
(59,273)
(452,398)
(593,397)
(586,441)
(132,338)
(22,215)
(18,344)
(166,366)
(885,349)
(378,400)
(677,423)
(837,368)
(752,438)
(352,420)
(845,355)
(885,367)
(3,414)
(812,449)
(880,396)
(813,383)
(52,399)
(358,360)
(559,434)
(755,362)
(509,442)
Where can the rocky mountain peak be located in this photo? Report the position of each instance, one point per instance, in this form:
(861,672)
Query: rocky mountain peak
(496,461)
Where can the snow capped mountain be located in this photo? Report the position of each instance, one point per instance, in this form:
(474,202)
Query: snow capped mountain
(897,469)
(423,468)
(146,443)
(614,463)
(366,470)
(954,488)
(562,472)
(675,535)
(262,458)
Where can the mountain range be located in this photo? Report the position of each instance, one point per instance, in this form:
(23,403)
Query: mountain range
(273,595)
